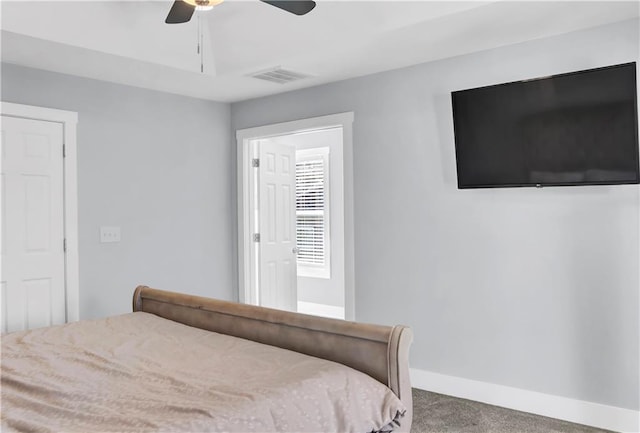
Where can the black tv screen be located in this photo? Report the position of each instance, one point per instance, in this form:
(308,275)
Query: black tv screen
(579,128)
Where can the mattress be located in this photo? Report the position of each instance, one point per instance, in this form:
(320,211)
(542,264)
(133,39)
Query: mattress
(139,372)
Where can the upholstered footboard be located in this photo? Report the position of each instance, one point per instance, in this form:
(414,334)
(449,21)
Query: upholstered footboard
(379,351)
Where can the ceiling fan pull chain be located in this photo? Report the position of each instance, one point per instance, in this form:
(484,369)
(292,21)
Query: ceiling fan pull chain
(198,43)
(201,51)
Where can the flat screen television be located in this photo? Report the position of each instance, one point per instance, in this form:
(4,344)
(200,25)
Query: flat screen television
(579,128)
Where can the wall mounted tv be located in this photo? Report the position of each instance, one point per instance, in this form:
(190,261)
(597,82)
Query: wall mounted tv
(579,128)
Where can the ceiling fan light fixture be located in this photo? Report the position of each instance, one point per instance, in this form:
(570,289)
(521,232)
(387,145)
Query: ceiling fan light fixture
(203,5)
(182,10)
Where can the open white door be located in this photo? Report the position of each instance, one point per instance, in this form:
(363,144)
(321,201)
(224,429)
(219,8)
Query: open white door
(33,260)
(277,246)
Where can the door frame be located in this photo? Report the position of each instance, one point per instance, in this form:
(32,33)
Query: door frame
(69,121)
(246,285)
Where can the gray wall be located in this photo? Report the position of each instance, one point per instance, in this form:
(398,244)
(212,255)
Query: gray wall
(535,289)
(158,166)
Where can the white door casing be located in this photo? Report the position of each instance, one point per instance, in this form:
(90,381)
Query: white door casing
(33,224)
(57,215)
(247,286)
(277,222)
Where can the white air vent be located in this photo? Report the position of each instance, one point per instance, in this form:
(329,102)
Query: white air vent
(279,76)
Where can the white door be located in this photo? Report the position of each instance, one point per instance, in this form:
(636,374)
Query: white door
(277,223)
(33,285)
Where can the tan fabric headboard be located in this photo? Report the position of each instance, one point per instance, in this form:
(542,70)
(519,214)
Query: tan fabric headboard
(382,352)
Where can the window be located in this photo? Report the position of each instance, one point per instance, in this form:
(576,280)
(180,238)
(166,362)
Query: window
(312,213)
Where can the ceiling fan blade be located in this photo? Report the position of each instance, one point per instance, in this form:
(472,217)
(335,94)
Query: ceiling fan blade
(295,7)
(180,12)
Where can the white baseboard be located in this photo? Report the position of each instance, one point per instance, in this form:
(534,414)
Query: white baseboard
(576,411)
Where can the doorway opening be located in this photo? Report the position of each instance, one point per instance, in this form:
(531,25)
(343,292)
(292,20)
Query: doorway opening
(295,216)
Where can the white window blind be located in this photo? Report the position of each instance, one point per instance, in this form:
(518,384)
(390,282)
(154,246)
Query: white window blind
(312,234)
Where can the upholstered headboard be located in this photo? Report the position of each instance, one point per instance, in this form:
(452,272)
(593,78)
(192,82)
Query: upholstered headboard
(379,351)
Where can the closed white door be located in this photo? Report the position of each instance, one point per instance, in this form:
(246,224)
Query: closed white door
(277,222)
(33,285)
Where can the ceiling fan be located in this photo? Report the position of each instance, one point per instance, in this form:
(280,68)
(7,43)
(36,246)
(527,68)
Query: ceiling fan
(182,10)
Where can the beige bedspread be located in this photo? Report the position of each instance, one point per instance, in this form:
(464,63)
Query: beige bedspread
(139,372)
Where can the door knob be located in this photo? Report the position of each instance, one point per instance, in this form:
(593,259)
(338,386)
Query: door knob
(294,250)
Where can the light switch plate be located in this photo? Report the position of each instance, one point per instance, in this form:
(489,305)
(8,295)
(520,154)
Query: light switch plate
(109,234)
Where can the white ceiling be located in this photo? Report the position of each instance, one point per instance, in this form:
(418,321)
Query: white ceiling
(128,42)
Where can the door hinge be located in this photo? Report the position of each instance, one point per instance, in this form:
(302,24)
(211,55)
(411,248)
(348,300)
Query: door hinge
(64,151)
(256,237)
(64,245)
(255,163)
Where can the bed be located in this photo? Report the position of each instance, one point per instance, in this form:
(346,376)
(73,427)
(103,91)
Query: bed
(188,363)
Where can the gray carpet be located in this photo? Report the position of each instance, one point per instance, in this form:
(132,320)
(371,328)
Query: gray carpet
(437,413)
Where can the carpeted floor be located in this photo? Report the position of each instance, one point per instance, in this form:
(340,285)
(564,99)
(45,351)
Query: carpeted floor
(437,413)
